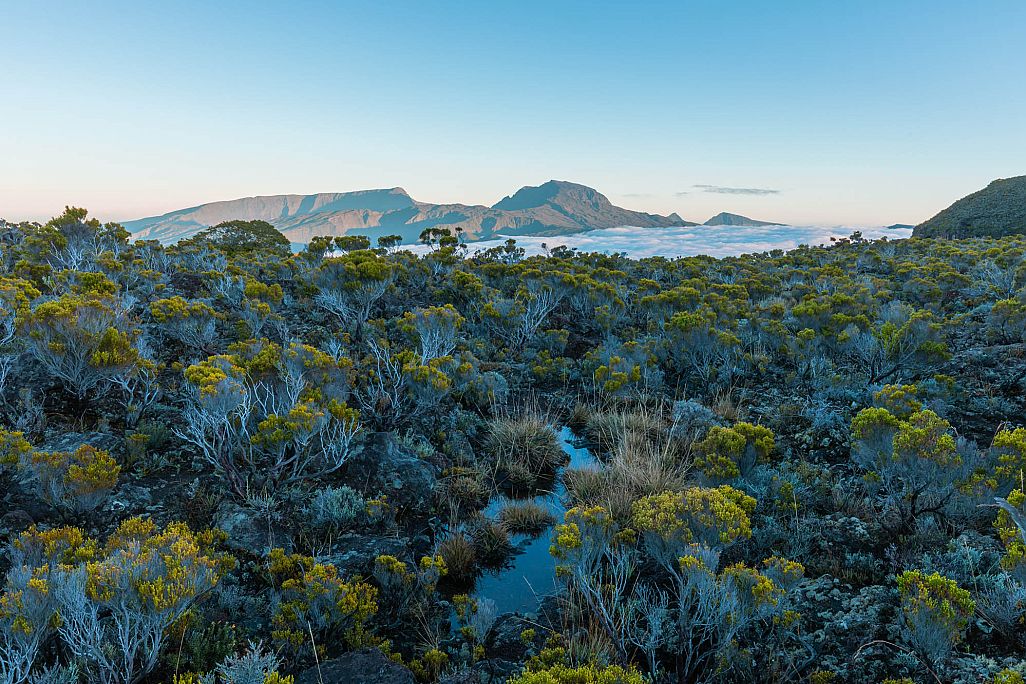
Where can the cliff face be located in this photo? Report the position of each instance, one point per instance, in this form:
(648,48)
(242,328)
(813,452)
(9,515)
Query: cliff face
(553,208)
(998,209)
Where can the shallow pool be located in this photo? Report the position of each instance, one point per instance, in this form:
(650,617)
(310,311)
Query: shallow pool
(530,575)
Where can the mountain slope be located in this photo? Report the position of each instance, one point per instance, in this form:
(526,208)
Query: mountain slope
(998,209)
(553,208)
(725,219)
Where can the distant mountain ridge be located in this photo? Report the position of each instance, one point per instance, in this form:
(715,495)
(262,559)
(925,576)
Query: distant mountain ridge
(726,219)
(998,209)
(553,208)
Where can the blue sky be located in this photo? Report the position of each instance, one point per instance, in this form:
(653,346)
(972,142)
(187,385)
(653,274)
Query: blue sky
(849,112)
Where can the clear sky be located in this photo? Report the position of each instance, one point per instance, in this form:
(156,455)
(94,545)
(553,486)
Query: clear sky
(855,112)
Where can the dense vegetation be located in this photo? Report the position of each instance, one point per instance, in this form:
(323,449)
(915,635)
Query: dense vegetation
(223,462)
(998,209)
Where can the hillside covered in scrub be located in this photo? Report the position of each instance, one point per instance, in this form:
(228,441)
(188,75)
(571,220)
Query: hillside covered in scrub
(998,209)
(222,462)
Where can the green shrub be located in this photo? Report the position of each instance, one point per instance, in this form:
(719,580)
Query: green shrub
(935,613)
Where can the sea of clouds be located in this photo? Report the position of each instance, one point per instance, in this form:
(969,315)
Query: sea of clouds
(717,241)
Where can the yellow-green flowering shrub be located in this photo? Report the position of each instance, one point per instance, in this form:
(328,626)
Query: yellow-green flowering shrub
(14,448)
(349,285)
(311,595)
(1011,528)
(584,674)
(127,591)
(193,323)
(1008,677)
(77,480)
(1010,447)
(935,612)
(899,400)
(84,342)
(266,415)
(913,465)
(728,453)
(713,518)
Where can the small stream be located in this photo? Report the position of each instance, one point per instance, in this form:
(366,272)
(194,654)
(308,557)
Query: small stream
(530,574)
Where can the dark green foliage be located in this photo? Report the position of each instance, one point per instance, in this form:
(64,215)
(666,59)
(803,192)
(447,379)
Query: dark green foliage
(241,237)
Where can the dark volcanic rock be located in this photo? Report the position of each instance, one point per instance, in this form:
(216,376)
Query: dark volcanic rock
(357,552)
(15,522)
(69,441)
(248,532)
(384,466)
(366,666)
(505,638)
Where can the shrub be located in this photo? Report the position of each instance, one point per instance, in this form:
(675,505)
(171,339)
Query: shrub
(899,400)
(434,329)
(255,666)
(127,592)
(914,464)
(1008,677)
(268,416)
(584,674)
(349,285)
(1011,528)
(710,611)
(710,518)
(14,448)
(202,646)
(239,237)
(935,613)
(729,453)
(192,323)
(585,538)
(27,610)
(77,480)
(85,343)
(1010,447)
(407,589)
(332,509)
(313,596)
(691,420)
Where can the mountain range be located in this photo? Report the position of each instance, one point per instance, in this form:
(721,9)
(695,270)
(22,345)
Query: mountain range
(551,209)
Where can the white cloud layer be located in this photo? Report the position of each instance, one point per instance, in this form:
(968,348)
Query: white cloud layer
(717,241)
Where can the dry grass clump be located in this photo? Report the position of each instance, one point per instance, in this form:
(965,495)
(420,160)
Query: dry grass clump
(641,459)
(726,408)
(577,420)
(525,517)
(528,439)
(522,449)
(461,491)
(585,484)
(607,429)
(491,543)
(460,557)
